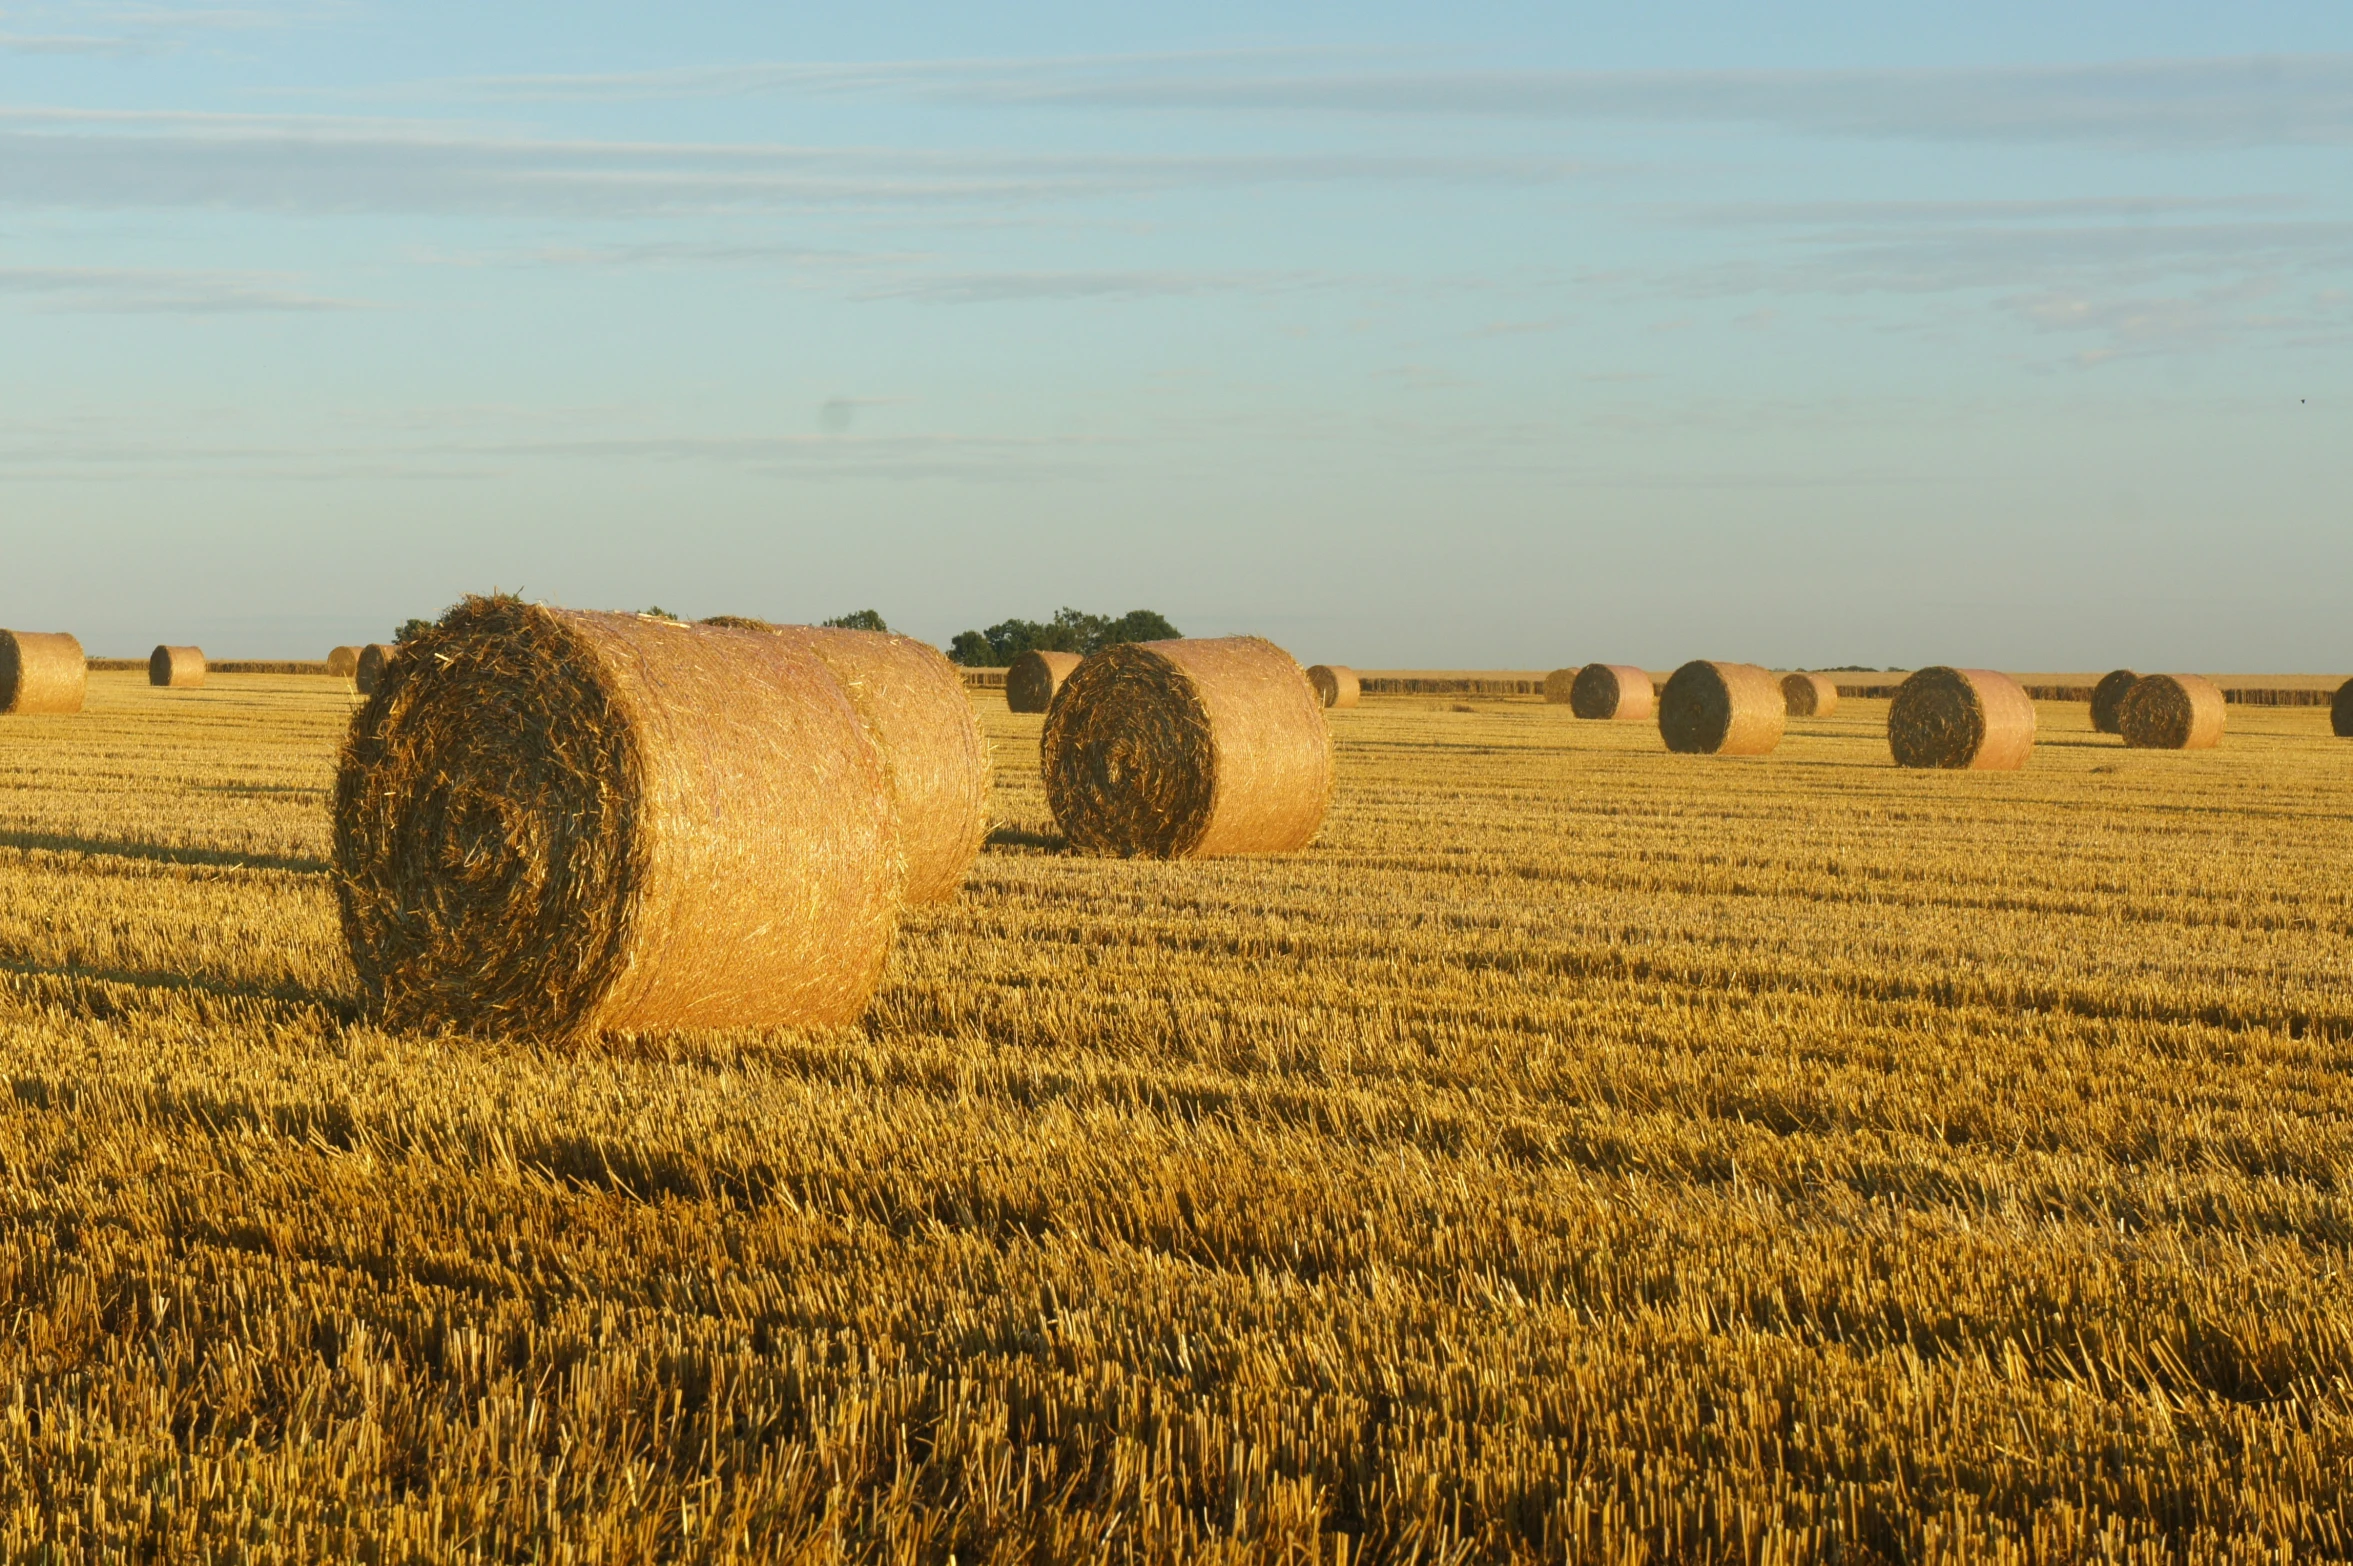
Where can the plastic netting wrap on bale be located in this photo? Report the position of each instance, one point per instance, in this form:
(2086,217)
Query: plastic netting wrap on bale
(367,670)
(1032,679)
(1722,709)
(2108,696)
(552,823)
(41,672)
(1809,695)
(1613,690)
(1187,749)
(2172,712)
(1336,685)
(176,668)
(343,662)
(2340,711)
(1560,686)
(1965,719)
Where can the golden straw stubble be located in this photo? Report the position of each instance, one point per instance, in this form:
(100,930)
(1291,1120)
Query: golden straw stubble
(1617,691)
(42,673)
(2172,712)
(1962,719)
(1336,685)
(176,668)
(1809,695)
(2108,696)
(1722,709)
(1033,677)
(1187,749)
(553,823)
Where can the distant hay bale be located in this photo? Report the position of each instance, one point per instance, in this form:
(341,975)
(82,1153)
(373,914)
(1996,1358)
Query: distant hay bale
(374,659)
(2340,711)
(1335,684)
(41,673)
(1560,686)
(2108,696)
(1809,695)
(1187,749)
(176,668)
(343,663)
(1032,679)
(1965,719)
(553,823)
(1722,709)
(2172,712)
(1612,690)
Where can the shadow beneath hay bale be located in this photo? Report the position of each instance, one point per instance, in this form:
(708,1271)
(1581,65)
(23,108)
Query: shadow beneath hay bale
(110,994)
(160,853)
(1019,837)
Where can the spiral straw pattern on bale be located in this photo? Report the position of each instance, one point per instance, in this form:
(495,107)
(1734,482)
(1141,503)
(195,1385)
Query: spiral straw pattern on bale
(1809,695)
(1722,709)
(1616,691)
(2340,711)
(1336,685)
(1963,719)
(368,672)
(41,673)
(552,823)
(1560,686)
(343,662)
(2108,696)
(2172,712)
(1033,678)
(176,668)
(1188,749)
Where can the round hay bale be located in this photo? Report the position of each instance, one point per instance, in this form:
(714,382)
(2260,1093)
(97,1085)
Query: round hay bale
(374,659)
(1186,749)
(41,672)
(1722,709)
(1560,686)
(1613,690)
(176,668)
(2340,711)
(555,823)
(343,662)
(1963,719)
(2172,712)
(2107,696)
(1033,679)
(1336,684)
(1809,695)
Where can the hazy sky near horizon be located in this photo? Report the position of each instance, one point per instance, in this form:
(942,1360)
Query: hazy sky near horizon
(1813,334)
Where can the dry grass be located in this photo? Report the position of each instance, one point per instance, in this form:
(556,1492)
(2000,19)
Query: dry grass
(1574,1154)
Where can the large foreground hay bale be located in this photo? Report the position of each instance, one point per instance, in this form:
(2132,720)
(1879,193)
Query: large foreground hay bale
(1722,709)
(2340,711)
(555,823)
(41,672)
(1033,678)
(1185,749)
(1613,690)
(1336,685)
(343,662)
(176,668)
(374,659)
(2172,712)
(1972,719)
(2108,696)
(1809,695)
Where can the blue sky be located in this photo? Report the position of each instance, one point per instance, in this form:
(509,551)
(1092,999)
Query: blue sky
(1837,334)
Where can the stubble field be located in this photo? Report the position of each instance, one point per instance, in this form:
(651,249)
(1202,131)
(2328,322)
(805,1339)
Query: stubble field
(1581,1153)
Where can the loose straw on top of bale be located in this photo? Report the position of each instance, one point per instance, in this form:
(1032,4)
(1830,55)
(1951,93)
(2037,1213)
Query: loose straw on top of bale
(1189,748)
(374,659)
(1809,695)
(1336,685)
(41,672)
(2107,696)
(1722,709)
(1612,690)
(1973,719)
(2172,712)
(343,662)
(2340,711)
(178,668)
(554,823)
(1033,678)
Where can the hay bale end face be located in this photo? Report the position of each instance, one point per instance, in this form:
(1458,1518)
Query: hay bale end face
(368,671)
(1962,719)
(176,668)
(2108,696)
(2172,712)
(1615,691)
(1809,695)
(1188,749)
(2340,711)
(1722,709)
(1033,679)
(41,673)
(1560,686)
(343,662)
(1335,684)
(553,824)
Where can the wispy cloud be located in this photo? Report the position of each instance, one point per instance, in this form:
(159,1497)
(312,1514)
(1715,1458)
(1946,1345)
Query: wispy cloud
(145,291)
